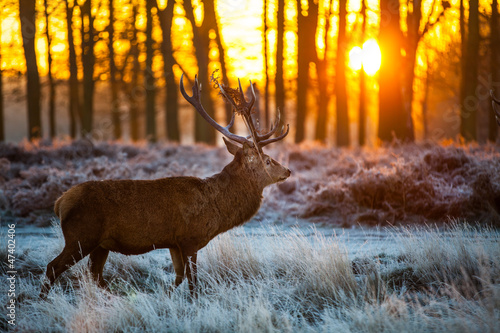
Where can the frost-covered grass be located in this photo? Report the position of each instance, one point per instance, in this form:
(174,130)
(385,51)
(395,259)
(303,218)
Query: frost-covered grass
(442,280)
(399,184)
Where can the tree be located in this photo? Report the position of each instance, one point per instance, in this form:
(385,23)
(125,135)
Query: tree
(463,39)
(425,101)
(52,97)
(149,79)
(340,81)
(134,51)
(362,85)
(413,37)
(2,126)
(266,70)
(171,102)
(27,16)
(494,63)
(323,80)
(88,61)
(115,112)
(470,103)
(279,79)
(306,53)
(210,20)
(74,94)
(203,131)
(392,113)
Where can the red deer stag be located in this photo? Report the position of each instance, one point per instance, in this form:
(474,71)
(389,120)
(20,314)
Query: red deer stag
(179,213)
(494,103)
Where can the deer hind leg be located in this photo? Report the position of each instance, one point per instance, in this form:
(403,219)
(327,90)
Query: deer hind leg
(69,256)
(97,260)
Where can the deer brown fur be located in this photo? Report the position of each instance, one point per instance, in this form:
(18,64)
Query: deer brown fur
(179,213)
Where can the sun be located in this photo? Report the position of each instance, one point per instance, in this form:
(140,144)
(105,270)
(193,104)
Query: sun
(368,57)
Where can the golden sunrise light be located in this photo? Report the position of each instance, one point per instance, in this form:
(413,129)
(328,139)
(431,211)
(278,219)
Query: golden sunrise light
(242,43)
(368,57)
(356,58)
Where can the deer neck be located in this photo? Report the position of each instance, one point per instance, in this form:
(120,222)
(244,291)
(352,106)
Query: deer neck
(237,196)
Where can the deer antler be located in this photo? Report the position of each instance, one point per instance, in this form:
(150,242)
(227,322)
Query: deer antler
(494,104)
(195,101)
(240,106)
(245,109)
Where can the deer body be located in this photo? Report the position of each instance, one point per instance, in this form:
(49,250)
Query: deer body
(180,213)
(137,216)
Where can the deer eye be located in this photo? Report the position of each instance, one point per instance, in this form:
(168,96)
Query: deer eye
(268,162)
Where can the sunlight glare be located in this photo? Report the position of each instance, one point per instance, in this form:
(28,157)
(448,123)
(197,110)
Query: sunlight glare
(355,58)
(372,57)
(368,57)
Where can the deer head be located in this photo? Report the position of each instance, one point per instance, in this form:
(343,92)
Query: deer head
(247,150)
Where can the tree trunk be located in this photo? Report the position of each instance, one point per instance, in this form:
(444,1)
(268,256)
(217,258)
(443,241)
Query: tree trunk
(362,86)
(171,102)
(27,16)
(88,61)
(323,101)
(149,80)
(52,97)
(74,94)
(470,101)
(463,51)
(340,81)
(495,64)
(303,38)
(323,83)
(306,53)
(266,73)
(115,110)
(210,20)
(279,79)
(2,126)
(392,114)
(425,102)
(203,131)
(413,22)
(134,84)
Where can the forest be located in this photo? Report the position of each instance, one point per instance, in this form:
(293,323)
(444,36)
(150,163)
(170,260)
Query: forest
(343,73)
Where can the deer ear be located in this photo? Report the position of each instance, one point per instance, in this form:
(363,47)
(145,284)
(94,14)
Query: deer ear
(232,148)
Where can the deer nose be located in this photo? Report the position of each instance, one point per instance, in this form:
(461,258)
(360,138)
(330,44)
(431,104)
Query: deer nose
(289,172)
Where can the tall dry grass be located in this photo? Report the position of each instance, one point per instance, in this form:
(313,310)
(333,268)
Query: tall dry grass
(442,280)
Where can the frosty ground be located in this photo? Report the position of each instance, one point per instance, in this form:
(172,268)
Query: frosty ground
(422,268)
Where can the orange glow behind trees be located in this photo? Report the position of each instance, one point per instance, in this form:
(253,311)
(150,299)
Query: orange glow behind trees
(241,29)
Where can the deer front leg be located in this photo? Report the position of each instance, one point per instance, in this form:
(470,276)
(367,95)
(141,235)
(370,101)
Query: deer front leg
(178,263)
(192,271)
(184,261)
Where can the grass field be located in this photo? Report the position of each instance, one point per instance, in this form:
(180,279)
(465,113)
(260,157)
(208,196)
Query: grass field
(441,280)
